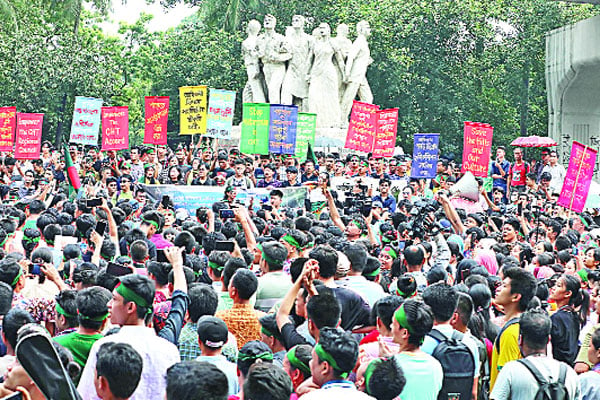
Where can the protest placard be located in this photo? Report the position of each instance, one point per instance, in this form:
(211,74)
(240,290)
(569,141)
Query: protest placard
(156,119)
(192,110)
(29,136)
(577,182)
(305,133)
(362,127)
(477,147)
(86,121)
(282,129)
(425,155)
(8,123)
(115,128)
(255,128)
(221,104)
(385,137)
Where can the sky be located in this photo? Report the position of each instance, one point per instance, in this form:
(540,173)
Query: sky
(130,12)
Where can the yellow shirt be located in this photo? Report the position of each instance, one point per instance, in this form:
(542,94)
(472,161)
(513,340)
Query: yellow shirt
(509,351)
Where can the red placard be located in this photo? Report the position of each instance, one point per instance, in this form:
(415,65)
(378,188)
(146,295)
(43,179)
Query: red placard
(477,148)
(115,128)
(157,117)
(387,127)
(8,123)
(362,127)
(29,136)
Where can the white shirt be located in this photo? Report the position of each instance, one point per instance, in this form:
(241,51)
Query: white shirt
(515,382)
(157,354)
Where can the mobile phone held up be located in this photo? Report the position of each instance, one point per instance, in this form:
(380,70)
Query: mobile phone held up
(226,213)
(224,245)
(93,202)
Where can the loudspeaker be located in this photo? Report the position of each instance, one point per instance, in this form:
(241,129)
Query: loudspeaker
(466,187)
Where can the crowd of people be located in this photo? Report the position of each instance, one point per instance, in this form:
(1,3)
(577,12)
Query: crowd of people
(386,287)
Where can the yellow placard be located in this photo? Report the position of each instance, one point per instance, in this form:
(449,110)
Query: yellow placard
(192,110)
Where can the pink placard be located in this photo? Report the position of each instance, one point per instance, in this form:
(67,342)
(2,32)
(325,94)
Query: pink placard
(385,138)
(362,127)
(477,148)
(115,128)
(8,123)
(579,177)
(29,136)
(157,117)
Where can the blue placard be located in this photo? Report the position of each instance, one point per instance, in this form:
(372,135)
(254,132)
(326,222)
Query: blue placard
(282,129)
(425,155)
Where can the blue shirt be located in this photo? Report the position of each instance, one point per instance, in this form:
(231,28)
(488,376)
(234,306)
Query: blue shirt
(500,182)
(389,202)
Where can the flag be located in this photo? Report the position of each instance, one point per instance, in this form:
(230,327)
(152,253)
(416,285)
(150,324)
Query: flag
(74,182)
(310,154)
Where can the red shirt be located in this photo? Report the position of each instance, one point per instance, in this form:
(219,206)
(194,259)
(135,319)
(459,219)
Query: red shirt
(518,173)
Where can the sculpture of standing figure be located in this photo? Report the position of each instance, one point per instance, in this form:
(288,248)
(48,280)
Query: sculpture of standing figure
(323,84)
(295,85)
(273,52)
(356,70)
(254,90)
(342,42)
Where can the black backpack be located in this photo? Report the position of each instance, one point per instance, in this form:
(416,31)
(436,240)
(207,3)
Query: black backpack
(548,390)
(457,363)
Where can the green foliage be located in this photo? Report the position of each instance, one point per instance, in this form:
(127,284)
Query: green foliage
(441,62)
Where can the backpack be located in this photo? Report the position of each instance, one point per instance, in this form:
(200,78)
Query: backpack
(548,390)
(483,384)
(458,365)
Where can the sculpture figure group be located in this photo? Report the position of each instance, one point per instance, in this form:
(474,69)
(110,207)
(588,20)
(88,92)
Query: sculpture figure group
(318,73)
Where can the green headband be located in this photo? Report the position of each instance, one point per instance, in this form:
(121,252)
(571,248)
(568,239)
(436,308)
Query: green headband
(369,371)
(153,223)
(268,259)
(14,282)
(7,236)
(584,222)
(405,295)
(291,241)
(400,316)
(296,363)
(265,356)
(269,333)
(130,295)
(27,239)
(389,251)
(214,265)
(325,356)
(62,311)
(357,225)
(372,273)
(98,318)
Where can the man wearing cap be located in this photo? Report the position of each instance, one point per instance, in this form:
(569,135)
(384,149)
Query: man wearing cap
(333,359)
(274,283)
(212,336)
(131,308)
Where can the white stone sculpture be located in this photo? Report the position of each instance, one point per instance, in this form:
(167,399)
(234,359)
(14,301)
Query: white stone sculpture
(254,90)
(295,85)
(273,52)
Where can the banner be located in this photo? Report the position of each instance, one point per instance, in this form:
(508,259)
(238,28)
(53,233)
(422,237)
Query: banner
(255,128)
(425,155)
(156,119)
(115,128)
(221,104)
(282,129)
(86,121)
(385,137)
(29,136)
(362,127)
(305,133)
(8,123)
(192,106)
(579,177)
(477,148)
(193,197)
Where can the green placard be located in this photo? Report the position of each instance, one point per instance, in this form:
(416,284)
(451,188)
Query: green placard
(255,128)
(305,133)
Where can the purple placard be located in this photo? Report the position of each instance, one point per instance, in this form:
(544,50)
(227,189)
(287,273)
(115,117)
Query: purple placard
(425,155)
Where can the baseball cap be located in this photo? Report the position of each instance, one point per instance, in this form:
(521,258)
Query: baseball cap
(212,331)
(377,204)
